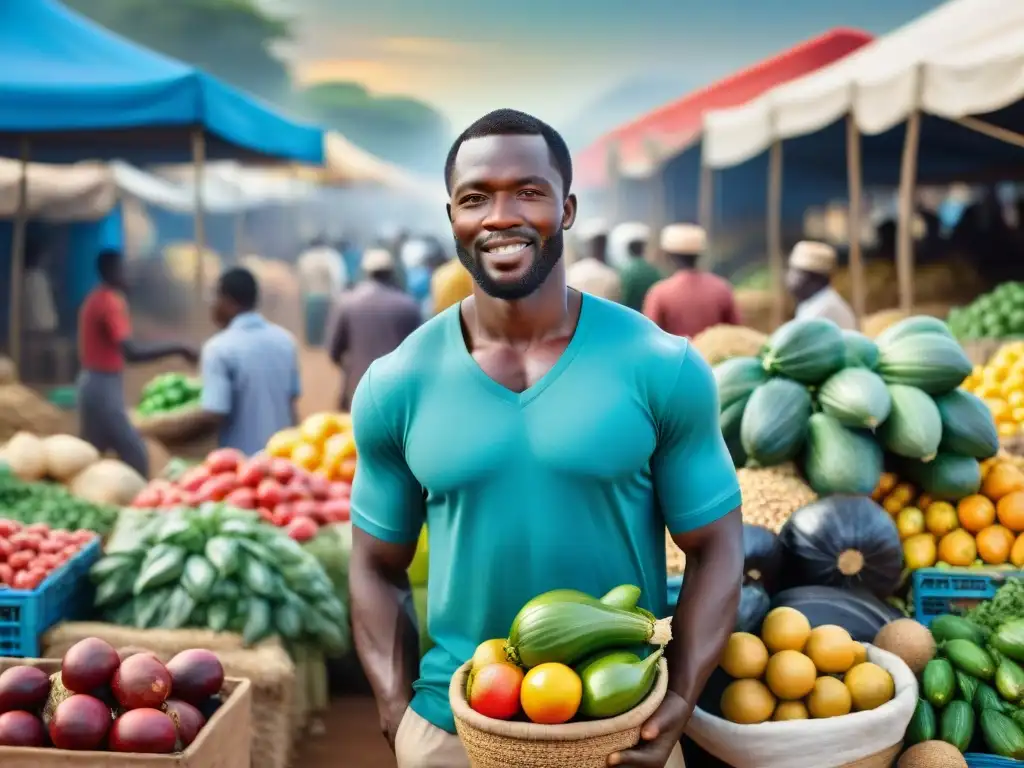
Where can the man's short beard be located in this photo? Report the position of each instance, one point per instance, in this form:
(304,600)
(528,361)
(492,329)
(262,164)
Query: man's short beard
(548,255)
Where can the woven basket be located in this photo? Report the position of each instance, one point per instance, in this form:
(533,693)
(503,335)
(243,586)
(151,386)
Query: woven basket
(500,744)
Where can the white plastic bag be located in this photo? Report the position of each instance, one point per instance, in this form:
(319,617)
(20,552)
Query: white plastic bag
(827,743)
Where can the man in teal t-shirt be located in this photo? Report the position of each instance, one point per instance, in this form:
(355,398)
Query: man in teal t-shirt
(546,437)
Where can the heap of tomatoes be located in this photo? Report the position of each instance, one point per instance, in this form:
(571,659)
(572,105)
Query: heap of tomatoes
(284,495)
(30,553)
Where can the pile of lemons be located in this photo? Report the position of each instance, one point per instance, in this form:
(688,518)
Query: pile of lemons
(1000,383)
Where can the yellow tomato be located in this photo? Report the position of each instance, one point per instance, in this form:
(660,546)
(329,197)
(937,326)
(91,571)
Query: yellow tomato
(999,407)
(340,447)
(307,456)
(317,428)
(283,443)
(551,694)
(489,652)
(988,389)
(905,492)
(893,504)
(1017,415)
(1015,397)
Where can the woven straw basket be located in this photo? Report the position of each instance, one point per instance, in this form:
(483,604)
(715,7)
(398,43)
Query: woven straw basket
(500,744)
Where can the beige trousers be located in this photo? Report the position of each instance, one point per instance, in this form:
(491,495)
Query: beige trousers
(418,744)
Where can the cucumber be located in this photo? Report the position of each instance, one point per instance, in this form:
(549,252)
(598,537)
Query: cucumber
(956,725)
(914,427)
(856,398)
(931,362)
(967,425)
(966,685)
(1010,680)
(1002,735)
(1008,639)
(922,725)
(774,423)
(970,658)
(737,378)
(986,697)
(840,460)
(614,684)
(624,596)
(808,351)
(938,682)
(218,615)
(951,627)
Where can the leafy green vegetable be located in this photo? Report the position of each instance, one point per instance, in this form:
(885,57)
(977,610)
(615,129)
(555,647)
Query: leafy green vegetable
(53,505)
(1007,604)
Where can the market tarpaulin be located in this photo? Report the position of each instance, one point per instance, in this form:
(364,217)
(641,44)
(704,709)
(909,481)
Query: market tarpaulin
(674,127)
(961,59)
(80,91)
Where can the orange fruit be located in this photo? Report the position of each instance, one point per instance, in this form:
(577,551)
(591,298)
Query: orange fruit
(958,548)
(1001,480)
(307,456)
(893,504)
(976,512)
(1017,552)
(924,501)
(940,518)
(885,485)
(282,444)
(551,694)
(1010,511)
(994,544)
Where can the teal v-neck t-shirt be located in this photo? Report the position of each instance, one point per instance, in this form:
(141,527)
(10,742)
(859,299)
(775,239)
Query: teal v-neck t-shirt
(569,484)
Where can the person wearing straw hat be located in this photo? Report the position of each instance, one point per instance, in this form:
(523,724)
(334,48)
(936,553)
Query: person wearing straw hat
(691,300)
(627,245)
(591,273)
(369,321)
(546,437)
(809,281)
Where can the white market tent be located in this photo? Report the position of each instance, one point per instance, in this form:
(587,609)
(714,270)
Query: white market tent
(963,60)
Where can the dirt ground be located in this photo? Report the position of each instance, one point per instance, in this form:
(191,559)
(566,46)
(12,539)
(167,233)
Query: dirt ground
(351,738)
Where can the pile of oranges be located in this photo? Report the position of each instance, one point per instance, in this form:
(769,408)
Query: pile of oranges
(322,444)
(1000,383)
(983,529)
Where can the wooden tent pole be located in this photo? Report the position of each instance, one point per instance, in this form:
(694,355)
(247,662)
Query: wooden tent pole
(776,266)
(905,223)
(854,182)
(198,220)
(18,241)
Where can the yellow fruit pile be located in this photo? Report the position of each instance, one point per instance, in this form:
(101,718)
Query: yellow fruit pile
(985,528)
(792,672)
(323,444)
(1000,383)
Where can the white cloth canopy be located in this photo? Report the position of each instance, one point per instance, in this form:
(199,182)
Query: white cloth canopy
(80,192)
(964,58)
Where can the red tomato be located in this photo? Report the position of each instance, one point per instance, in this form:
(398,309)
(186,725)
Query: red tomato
(340,490)
(172,497)
(283,514)
(283,470)
(495,690)
(253,471)
(224,460)
(7,527)
(148,498)
(266,514)
(217,488)
(193,479)
(336,511)
(83,536)
(306,508)
(20,560)
(28,541)
(269,493)
(6,548)
(301,529)
(51,545)
(70,551)
(6,574)
(296,491)
(41,529)
(29,579)
(48,562)
(319,487)
(243,498)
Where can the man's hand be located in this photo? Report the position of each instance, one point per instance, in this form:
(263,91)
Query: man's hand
(390,718)
(658,736)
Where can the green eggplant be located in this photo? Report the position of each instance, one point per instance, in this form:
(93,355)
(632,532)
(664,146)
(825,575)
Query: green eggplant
(614,683)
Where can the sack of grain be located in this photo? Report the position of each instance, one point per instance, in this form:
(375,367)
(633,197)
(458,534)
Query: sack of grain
(772,494)
(108,481)
(22,410)
(721,342)
(67,456)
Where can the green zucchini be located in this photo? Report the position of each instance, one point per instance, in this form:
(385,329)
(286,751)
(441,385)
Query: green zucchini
(931,362)
(856,398)
(967,425)
(616,682)
(966,685)
(566,632)
(1002,735)
(624,596)
(1009,680)
(970,658)
(861,352)
(912,326)
(986,697)
(737,378)
(956,724)
(914,426)
(774,422)
(840,460)
(938,682)
(952,627)
(1008,639)
(922,725)
(808,351)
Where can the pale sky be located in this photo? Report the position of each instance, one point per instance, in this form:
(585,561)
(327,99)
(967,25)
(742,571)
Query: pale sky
(552,57)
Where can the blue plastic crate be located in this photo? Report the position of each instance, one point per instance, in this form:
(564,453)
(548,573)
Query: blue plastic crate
(65,594)
(976,760)
(938,591)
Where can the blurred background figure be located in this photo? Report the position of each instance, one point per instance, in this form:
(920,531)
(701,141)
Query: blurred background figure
(691,300)
(809,281)
(422,256)
(590,273)
(450,284)
(369,321)
(322,277)
(627,246)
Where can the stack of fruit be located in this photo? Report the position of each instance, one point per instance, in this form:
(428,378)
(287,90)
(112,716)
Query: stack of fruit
(845,404)
(28,554)
(793,672)
(284,495)
(566,657)
(100,701)
(322,444)
(995,315)
(1000,383)
(170,392)
(973,687)
(980,529)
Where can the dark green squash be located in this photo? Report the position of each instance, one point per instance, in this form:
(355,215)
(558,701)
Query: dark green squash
(856,398)
(808,351)
(840,460)
(914,426)
(967,425)
(763,557)
(775,422)
(737,378)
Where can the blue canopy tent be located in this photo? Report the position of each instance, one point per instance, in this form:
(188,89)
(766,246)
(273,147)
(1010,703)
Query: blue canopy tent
(71,90)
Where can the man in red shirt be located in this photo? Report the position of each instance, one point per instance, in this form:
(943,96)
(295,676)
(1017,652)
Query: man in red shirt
(691,300)
(104,346)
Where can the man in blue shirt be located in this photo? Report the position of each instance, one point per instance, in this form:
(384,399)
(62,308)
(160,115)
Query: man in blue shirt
(250,370)
(547,438)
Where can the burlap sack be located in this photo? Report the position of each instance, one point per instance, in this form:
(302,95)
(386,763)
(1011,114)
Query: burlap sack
(268,667)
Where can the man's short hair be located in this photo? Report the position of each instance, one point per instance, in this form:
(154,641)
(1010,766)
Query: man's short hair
(239,285)
(510,122)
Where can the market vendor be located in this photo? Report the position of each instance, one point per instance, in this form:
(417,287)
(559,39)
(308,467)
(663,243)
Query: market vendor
(591,273)
(549,437)
(809,281)
(250,371)
(104,346)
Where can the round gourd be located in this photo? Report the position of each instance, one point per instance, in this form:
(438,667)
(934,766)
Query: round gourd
(737,378)
(967,425)
(914,426)
(763,557)
(861,352)
(931,362)
(775,422)
(840,460)
(808,351)
(843,541)
(856,610)
(856,398)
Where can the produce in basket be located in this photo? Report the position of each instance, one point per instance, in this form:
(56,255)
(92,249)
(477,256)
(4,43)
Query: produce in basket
(859,612)
(997,314)
(31,553)
(97,701)
(170,392)
(220,568)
